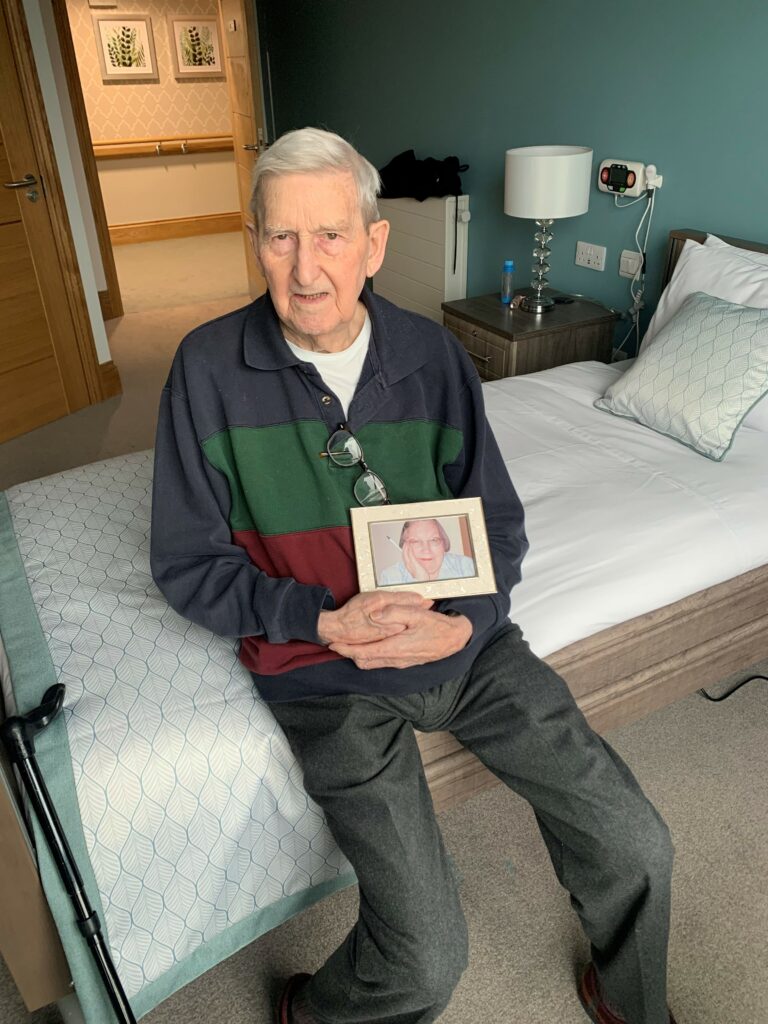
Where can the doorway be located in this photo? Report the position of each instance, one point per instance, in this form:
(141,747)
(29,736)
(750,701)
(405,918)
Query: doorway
(170,111)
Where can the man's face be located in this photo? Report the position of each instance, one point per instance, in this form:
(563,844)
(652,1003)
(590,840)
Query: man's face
(425,544)
(315,253)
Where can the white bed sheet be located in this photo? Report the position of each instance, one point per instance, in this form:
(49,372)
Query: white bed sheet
(610,502)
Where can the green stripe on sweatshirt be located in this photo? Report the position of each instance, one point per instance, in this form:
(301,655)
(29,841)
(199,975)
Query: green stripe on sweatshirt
(280,483)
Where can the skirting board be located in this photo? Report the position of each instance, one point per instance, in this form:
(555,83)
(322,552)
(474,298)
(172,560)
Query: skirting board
(109,380)
(176,227)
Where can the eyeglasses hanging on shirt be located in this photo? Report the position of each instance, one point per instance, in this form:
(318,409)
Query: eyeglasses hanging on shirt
(343,449)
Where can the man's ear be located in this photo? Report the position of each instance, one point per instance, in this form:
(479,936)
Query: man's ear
(378,233)
(253,238)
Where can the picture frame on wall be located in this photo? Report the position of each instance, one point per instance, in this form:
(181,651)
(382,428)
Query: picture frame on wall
(126,47)
(195,46)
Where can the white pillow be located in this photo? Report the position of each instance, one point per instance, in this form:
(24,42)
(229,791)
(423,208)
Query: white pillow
(697,380)
(716,269)
(713,242)
(757,417)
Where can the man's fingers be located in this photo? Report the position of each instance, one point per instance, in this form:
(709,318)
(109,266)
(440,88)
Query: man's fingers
(367,660)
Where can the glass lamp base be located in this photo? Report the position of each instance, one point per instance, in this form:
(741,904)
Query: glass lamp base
(540,303)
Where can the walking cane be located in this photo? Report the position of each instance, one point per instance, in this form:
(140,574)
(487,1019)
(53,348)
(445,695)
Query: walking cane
(18,734)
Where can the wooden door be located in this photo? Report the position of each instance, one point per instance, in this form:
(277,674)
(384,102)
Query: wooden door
(241,54)
(110,299)
(48,366)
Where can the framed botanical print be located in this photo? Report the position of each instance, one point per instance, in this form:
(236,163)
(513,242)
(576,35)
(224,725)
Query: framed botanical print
(126,47)
(195,46)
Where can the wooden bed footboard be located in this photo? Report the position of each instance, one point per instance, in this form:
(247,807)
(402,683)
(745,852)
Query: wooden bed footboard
(638,666)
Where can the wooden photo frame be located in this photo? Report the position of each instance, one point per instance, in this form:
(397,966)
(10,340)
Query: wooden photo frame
(435,548)
(195,46)
(126,47)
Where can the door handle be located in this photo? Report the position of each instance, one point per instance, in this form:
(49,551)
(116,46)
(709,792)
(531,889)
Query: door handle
(251,147)
(27,181)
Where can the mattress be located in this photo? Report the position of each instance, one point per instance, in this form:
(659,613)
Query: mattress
(177,790)
(621,520)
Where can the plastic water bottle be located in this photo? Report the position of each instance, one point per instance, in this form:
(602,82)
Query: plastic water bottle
(507,281)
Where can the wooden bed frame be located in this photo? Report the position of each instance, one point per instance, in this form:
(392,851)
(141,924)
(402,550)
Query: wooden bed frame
(617,676)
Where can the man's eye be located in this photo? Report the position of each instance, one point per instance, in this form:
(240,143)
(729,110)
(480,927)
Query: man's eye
(281,242)
(331,235)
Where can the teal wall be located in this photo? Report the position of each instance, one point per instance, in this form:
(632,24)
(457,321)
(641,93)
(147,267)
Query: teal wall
(679,83)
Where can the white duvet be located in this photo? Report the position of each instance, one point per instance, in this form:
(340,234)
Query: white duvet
(621,520)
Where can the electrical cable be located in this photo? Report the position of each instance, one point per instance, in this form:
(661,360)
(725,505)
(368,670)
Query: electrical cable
(639,276)
(623,206)
(729,693)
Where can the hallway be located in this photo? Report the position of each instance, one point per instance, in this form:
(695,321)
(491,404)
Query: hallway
(178,271)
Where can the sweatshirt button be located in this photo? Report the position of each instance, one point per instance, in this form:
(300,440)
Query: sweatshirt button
(326,399)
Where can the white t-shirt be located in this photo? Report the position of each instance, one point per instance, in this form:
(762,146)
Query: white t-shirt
(340,370)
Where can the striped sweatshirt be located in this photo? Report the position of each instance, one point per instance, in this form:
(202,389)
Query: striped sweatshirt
(251,534)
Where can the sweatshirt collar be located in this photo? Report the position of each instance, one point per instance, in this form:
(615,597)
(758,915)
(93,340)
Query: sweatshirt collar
(397,348)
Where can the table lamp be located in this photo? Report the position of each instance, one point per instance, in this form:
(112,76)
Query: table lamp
(545,183)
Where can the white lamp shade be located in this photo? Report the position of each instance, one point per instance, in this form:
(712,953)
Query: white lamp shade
(547,182)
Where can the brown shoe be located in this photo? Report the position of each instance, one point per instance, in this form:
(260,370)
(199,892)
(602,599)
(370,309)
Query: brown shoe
(592,1000)
(292,986)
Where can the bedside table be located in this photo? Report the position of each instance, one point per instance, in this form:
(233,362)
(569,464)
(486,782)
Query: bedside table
(506,342)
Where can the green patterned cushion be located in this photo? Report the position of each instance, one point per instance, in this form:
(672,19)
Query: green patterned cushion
(700,375)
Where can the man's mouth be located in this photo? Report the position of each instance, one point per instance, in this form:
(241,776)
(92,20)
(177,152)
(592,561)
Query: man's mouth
(310,298)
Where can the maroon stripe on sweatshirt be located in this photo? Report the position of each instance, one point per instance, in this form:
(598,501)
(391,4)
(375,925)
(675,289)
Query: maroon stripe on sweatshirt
(313,557)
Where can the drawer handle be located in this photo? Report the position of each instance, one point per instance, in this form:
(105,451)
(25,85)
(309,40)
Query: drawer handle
(481,359)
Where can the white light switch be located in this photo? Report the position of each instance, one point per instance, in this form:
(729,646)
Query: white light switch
(629,263)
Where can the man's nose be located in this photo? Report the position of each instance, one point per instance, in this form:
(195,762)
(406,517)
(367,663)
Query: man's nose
(306,268)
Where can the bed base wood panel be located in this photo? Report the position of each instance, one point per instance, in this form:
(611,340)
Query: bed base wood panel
(29,942)
(639,666)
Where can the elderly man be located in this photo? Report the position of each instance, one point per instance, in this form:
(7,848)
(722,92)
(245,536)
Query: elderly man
(251,538)
(427,555)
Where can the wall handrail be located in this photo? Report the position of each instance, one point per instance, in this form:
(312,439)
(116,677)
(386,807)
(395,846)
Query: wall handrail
(166,145)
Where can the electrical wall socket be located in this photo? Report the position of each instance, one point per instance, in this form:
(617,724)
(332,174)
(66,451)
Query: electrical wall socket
(629,263)
(592,256)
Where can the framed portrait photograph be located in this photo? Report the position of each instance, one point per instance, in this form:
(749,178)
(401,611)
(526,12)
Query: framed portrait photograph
(126,47)
(435,548)
(195,46)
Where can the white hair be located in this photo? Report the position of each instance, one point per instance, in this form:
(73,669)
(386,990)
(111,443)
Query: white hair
(440,529)
(311,149)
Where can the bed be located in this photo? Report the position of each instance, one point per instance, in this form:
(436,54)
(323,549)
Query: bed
(179,794)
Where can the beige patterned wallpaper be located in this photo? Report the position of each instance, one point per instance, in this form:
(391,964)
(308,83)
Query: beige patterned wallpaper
(135,110)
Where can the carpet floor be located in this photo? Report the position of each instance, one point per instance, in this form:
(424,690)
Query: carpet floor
(705,766)
(155,275)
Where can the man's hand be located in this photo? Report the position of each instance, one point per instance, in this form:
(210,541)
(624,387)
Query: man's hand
(428,636)
(368,617)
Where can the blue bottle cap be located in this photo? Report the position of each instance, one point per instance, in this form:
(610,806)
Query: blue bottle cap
(509,264)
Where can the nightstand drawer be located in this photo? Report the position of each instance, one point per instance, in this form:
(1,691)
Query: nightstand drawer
(503,342)
(490,353)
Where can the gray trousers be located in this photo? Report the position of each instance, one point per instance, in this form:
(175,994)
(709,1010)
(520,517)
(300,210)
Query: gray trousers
(609,847)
